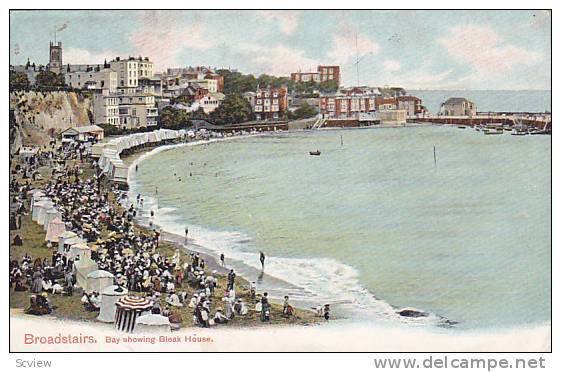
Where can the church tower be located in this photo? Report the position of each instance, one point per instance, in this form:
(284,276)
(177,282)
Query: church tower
(55,58)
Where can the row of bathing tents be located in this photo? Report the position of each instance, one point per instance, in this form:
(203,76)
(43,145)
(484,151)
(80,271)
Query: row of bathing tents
(108,153)
(127,312)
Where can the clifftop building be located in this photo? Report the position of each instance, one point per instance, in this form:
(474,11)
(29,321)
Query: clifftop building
(130,70)
(323,73)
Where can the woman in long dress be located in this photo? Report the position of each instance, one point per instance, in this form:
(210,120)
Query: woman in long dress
(37,286)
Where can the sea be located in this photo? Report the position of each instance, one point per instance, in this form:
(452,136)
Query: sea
(445,221)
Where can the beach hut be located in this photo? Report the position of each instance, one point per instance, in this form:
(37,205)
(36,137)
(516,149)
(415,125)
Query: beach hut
(152,323)
(109,297)
(50,215)
(38,205)
(98,280)
(42,211)
(64,237)
(36,195)
(83,267)
(55,228)
(120,173)
(67,243)
(78,250)
(128,309)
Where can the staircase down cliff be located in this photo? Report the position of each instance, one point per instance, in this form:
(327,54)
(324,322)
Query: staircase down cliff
(38,116)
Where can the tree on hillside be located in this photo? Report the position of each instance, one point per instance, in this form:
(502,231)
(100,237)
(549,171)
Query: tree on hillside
(237,83)
(329,86)
(49,79)
(173,118)
(18,80)
(305,111)
(234,109)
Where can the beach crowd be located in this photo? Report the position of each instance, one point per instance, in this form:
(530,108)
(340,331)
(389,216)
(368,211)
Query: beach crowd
(103,216)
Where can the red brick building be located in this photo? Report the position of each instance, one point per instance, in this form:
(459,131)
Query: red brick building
(323,73)
(270,103)
(347,106)
(386,103)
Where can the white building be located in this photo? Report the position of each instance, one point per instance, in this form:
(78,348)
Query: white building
(94,79)
(130,70)
(137,110)
(211,101)
(125,110)
(106,108)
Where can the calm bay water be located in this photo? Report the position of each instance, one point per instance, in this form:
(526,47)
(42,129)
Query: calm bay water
(373,223)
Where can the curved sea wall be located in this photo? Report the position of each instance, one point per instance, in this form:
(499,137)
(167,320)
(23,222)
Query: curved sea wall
(109,153)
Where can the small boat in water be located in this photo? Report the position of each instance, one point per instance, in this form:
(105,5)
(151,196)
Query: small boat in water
(462,126)
(315,153)
(493,131)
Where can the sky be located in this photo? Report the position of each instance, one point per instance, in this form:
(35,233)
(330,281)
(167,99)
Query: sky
(458,49)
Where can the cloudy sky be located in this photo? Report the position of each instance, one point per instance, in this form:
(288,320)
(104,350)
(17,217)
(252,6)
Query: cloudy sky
(415,49)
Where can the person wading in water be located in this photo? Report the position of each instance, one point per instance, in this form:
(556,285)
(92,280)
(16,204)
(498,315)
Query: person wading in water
(262,259)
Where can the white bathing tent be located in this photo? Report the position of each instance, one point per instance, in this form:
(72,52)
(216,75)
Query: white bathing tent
(152,323)
(98,280)
(38,207)
(83,267)
(55,229)
(36,195)
(79,250)
(64,237)
(50,215)
(67,243)
(109,296)
(42,211)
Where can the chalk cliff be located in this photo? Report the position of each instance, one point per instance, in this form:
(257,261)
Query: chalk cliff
(38,116)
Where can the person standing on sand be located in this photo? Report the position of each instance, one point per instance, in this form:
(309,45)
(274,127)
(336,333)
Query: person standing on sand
(265,312)
(231,279)
(222,259)
(262,259)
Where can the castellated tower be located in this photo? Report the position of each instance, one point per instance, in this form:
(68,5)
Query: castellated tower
(55,57)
